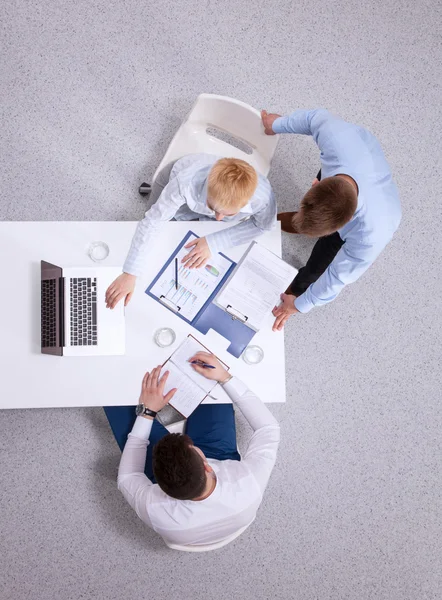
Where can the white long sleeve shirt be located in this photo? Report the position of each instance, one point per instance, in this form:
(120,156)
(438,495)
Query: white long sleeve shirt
(185,199)
(232,506)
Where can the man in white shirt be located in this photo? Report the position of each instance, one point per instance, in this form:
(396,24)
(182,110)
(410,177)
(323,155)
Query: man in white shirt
(200,187)
(199,502)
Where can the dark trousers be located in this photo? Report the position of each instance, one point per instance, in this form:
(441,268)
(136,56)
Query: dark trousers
(322,255)
(211,428)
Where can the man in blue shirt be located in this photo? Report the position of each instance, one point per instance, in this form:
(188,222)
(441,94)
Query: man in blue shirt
(353,207)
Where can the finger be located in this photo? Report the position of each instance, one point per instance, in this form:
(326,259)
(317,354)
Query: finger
(199,263)
(282,322)
(115,299)
(109,291)
(189,256)
(191,244)
(156,376)
(116,290)
(191,263)
(278,310)
(168,397)
(162,381)
(150,380)
(110,294)
(144,382)
(127,299)
(200,370)
(276,324)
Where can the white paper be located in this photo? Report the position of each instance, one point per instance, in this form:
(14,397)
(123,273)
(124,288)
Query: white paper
(256,285)
(181,359)
(195,286)
(188,395)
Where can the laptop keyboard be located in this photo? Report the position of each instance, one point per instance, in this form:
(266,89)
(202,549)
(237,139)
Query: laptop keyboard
(83,311)
(48,313)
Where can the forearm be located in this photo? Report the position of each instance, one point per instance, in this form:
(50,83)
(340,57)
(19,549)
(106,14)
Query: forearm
(146,233)
(254,410)
(261,451)
(242,233)
(133,458)
(150,227)
(318,123)
(343,270)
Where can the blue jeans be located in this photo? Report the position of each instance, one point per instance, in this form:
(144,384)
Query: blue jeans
(211,427)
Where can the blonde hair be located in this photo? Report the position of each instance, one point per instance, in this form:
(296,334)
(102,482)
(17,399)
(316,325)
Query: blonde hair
(231,184)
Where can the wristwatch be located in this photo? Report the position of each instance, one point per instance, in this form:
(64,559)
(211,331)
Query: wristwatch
(141,410)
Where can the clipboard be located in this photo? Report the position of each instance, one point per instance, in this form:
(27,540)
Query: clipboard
(229,324)
(208,394)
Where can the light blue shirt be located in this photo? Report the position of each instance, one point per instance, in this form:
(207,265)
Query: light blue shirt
(349,150)
(185,199)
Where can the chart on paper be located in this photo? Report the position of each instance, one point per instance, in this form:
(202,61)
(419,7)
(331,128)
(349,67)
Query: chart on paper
(195,286)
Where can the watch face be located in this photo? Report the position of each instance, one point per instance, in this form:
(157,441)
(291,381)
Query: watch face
(139,409)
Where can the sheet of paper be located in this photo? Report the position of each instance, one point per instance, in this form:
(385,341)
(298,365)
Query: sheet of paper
(180,358)
(188,396)
(194,285)
(256,285)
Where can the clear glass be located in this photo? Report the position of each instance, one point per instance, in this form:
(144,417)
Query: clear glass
(98,251)
(253,355)
(164,337)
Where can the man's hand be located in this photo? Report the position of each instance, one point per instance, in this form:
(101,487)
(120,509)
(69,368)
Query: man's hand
(122,287)
(199,255)
(284,311)
(219,373)
(152,390)
(267,121)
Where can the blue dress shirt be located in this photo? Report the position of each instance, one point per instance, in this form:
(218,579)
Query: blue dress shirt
(349,150)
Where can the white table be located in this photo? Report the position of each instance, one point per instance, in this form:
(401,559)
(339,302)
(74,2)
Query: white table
(30,379)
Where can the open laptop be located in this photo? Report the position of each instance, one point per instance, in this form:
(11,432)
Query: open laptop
(74,317)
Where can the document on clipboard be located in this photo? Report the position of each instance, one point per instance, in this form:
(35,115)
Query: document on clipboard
(255,286)
(186,291)
(192,388)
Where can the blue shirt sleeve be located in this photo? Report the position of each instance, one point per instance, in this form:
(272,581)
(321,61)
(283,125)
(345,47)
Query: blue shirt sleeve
(348,265)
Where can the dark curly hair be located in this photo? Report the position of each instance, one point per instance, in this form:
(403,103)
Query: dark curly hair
(178,468)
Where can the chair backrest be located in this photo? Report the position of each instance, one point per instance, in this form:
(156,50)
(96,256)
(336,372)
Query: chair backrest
(225,127)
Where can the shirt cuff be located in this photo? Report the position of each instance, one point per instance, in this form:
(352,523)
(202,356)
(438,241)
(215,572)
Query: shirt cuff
(303,304)
(278,125)
(211,240)
(131,270)
(142,428)
(235,385)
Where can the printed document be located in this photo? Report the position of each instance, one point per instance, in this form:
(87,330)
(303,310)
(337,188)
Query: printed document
(195,286)
(255,286)
(192,387)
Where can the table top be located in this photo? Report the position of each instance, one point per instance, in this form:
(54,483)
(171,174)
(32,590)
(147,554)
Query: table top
(31,379)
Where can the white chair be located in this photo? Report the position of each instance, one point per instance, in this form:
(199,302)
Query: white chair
(213,124)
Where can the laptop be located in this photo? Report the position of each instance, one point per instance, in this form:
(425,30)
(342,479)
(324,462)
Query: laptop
(74,317)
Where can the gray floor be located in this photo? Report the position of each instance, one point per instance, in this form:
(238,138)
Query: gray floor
(92,94)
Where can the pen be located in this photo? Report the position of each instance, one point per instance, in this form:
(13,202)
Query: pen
(176,273)
(202,364)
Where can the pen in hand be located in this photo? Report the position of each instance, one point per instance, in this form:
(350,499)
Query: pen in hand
(202,364)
